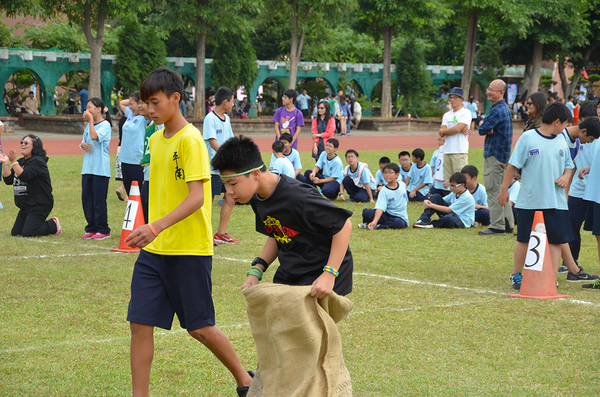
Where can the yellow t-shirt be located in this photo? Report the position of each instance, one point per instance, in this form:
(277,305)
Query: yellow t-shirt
(176,161)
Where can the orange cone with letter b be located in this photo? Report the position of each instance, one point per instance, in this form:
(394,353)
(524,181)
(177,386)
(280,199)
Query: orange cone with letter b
(539,279)
(134,217)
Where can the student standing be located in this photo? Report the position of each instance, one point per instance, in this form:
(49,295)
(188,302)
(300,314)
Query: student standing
(132,145)
(288,118)
(173,271)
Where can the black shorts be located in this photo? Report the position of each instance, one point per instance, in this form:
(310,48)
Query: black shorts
(592,218)
(558,225)
(216,184)
(163,285)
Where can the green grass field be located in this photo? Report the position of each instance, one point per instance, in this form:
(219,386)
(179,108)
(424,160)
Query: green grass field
(430,314)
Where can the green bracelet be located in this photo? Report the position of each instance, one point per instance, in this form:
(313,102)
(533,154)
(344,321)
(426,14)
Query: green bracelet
(331,270)
(255,271)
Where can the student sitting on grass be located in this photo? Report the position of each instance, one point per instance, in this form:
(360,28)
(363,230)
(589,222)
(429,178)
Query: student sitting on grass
(358,180)
(327,173)
(379,179)
(419,178)
(390,210)
(482,212)
(172,273)
(546,167)
(405,164)
(291,154)
(281,165)
(310,238)
(456,210)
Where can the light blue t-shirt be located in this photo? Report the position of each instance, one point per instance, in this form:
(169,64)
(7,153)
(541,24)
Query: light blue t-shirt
(393,201)
(592,188)
(472,106)
(283,166)
(217,128)
(294,158)
(480,195)
(132,143)
(404,174)
(584,160)
(97,162)
(379,179)
(437,164)
(365,178)
(513,191)
(542,161)
(571,108)
(331,168)
(419,176)
(303,101)
(463,206)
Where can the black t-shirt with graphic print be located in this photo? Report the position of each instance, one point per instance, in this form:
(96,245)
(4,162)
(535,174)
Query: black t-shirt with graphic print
(303,224)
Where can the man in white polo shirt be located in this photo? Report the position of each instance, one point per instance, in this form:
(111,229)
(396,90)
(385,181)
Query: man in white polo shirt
(455,128)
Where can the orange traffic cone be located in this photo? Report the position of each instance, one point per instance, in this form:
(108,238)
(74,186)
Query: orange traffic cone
(539,279)
(134,217)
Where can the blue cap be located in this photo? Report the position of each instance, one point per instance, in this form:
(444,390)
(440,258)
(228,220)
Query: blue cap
(457,91)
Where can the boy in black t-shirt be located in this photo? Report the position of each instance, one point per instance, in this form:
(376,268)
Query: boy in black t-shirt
(310,238)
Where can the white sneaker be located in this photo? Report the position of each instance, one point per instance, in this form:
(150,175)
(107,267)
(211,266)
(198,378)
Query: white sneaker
(363,225)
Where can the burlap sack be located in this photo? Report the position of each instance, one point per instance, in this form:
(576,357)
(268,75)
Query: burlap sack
(298,345)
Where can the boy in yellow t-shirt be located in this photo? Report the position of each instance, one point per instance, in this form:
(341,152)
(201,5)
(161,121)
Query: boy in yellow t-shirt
(173,271)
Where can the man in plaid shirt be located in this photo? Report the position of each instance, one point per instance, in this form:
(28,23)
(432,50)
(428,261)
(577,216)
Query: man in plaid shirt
(497,128)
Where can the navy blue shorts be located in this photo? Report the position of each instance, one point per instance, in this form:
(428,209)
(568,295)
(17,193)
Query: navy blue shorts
(592,218)
(216,184)
(558,229)
(163,285)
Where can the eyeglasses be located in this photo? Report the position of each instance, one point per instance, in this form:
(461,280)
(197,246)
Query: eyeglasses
(23,143)
(350,157)
(460,184)
(389,173)
(528,103)
(493,90)
(321,108)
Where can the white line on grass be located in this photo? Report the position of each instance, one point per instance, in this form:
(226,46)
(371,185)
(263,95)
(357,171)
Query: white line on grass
(61,255)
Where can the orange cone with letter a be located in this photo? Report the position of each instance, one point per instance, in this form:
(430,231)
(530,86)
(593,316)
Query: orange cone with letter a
(134,217)
(539,279)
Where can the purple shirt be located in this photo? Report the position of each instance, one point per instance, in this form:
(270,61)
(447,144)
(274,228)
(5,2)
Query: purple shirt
(288,121)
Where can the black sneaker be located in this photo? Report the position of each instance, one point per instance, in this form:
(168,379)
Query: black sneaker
(581,276)
(492,232)
(420,224)
(243,391)
(515,280)
(594,285)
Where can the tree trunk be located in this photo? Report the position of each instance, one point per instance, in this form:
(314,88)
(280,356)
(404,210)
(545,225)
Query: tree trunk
(96,44)
(524,88)
(569,88)
(200,76)
(386,84)
(536,67)
(470,49)
(296,45)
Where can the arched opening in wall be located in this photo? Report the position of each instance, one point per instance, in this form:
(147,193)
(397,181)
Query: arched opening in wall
(66,92)
(376,99)
(269,96)
(316,87)
(23,93)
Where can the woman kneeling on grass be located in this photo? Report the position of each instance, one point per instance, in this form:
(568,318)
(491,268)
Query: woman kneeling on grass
(32,188)
(95,174)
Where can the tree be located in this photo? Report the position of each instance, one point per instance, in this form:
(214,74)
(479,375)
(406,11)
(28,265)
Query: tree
(234,62)
(382,18)
(91,16)
(58,35)
(412,80)
(196,19)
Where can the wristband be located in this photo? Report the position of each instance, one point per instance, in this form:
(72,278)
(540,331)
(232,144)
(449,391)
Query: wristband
(331,270)
(13,164)
(152,230)
(259,260)
(255,271)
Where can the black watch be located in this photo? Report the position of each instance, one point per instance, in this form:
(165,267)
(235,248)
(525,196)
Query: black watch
(260,260)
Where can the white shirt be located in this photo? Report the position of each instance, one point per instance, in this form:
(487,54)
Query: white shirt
(459,142)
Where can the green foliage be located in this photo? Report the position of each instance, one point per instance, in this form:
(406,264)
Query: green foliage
(489,58)
(234,61)
(8,38)
(139,52)
(546,81)
(412,80)
(60,35)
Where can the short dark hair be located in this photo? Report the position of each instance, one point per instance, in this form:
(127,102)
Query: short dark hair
(403,153)
(292,94)
(471,170)
(161,80)
(592,126)
(326,95)
(286,137)
(458,178)
(588,109)
(419,153)
(37,148)
(223,93)
(351,151)
(334,142)
(135,96)
(278,147)
(385,160)
(393,167)
(556,110)
(238,154)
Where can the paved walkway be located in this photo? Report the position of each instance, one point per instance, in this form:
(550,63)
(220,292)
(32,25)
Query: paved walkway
(67,144)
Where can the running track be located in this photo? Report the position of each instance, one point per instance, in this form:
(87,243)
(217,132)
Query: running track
(364,141)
